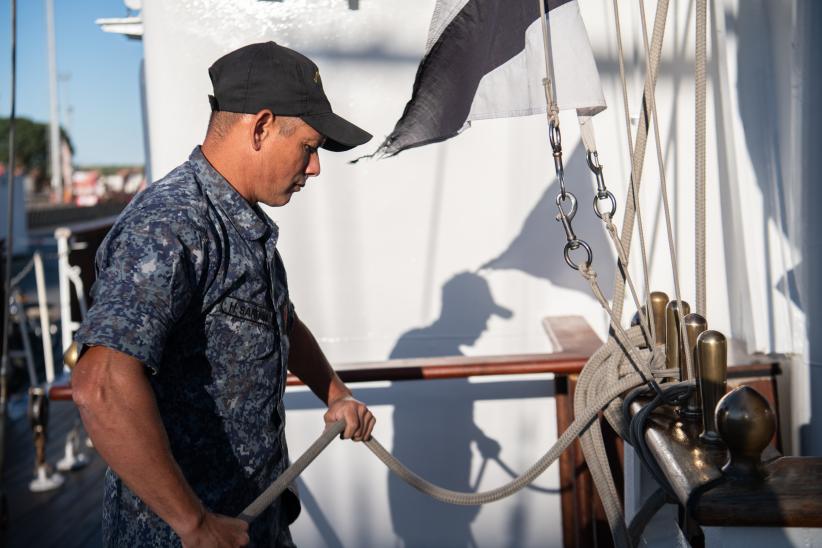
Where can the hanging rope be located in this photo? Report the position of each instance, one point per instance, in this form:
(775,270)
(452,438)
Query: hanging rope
(4,351)
(665,201)
(549,82)
(633,196)
(700,82)
(638,157)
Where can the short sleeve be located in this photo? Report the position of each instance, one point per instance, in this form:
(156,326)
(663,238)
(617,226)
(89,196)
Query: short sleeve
(148,269)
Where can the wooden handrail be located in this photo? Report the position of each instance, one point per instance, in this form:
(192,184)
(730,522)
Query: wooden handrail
(457,367)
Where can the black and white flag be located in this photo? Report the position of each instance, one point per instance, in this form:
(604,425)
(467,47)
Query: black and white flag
(485,59)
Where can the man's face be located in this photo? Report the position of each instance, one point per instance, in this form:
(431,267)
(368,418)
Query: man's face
(289,158)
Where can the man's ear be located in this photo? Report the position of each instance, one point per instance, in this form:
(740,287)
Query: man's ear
(262,128)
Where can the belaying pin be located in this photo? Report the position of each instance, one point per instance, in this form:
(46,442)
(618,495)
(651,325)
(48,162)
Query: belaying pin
(659,300)
(674,356)
(712,350)
(694,325)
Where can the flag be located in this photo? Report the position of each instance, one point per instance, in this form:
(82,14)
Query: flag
(485,59)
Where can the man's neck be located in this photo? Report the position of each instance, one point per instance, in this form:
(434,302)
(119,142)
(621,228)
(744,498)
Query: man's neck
(226,165)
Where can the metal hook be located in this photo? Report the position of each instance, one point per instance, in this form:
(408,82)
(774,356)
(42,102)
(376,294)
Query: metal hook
(593,161)
(563,198)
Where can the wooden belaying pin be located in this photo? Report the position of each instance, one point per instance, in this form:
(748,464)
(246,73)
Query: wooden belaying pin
(694,325)
(712,351)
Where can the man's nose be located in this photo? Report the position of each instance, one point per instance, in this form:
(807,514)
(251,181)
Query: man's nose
(313,167)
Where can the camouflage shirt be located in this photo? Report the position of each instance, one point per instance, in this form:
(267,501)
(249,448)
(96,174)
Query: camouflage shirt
(189,282)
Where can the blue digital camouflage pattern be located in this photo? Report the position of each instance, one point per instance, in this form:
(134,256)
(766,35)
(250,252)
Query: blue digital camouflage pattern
(189,282)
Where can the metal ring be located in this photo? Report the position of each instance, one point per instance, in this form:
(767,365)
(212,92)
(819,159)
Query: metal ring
(562,197)
(601,197)
(573,245)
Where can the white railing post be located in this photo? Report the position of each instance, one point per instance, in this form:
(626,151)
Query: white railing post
(45,323)
(62,236)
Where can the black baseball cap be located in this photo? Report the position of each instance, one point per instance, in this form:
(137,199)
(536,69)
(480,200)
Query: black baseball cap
(267,75)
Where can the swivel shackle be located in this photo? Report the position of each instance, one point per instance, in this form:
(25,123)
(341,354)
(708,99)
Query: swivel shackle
(602,193)
(572,242)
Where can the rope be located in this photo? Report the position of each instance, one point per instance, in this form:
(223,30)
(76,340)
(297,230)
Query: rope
(638,156)
(22,274)
(549,83)
(664,192)
(584,420)
(4,338)
(634,192)
(700,82)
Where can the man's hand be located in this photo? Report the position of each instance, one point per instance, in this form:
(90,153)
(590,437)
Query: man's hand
(216,531)
(359,422)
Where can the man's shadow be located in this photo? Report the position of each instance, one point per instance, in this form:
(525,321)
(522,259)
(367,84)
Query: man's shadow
(433,432)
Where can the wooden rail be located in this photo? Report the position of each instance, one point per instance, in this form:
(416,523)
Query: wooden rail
(789,494)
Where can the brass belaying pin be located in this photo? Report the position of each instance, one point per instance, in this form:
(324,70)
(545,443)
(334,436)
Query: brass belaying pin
(673,339)
(71,355)
(694,325)
(712,351)
(659,300)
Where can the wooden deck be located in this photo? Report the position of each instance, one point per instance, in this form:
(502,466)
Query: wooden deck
(69,516)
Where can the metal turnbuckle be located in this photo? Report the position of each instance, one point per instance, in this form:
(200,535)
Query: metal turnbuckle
(602,194)
(573,243)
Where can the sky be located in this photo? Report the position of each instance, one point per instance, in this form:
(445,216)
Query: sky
(103,69)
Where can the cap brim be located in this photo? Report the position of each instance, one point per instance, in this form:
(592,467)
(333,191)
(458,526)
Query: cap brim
(339,133)
(501,311)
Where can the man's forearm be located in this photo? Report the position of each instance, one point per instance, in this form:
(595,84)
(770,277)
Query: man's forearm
(120,414)
(307,361)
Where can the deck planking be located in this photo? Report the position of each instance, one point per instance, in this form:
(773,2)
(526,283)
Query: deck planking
(67,517)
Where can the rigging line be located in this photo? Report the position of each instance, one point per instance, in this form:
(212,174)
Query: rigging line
(4,352)
(622,259)
(634,193)
(700,82)
(581,423)
(665,202)
(638,157)
(549,83)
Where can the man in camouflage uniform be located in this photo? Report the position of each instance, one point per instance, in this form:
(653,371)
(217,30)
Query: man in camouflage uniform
(192,330)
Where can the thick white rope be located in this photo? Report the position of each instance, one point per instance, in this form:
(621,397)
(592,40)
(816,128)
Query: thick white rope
(584,419)
(701,91)
(439,493)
